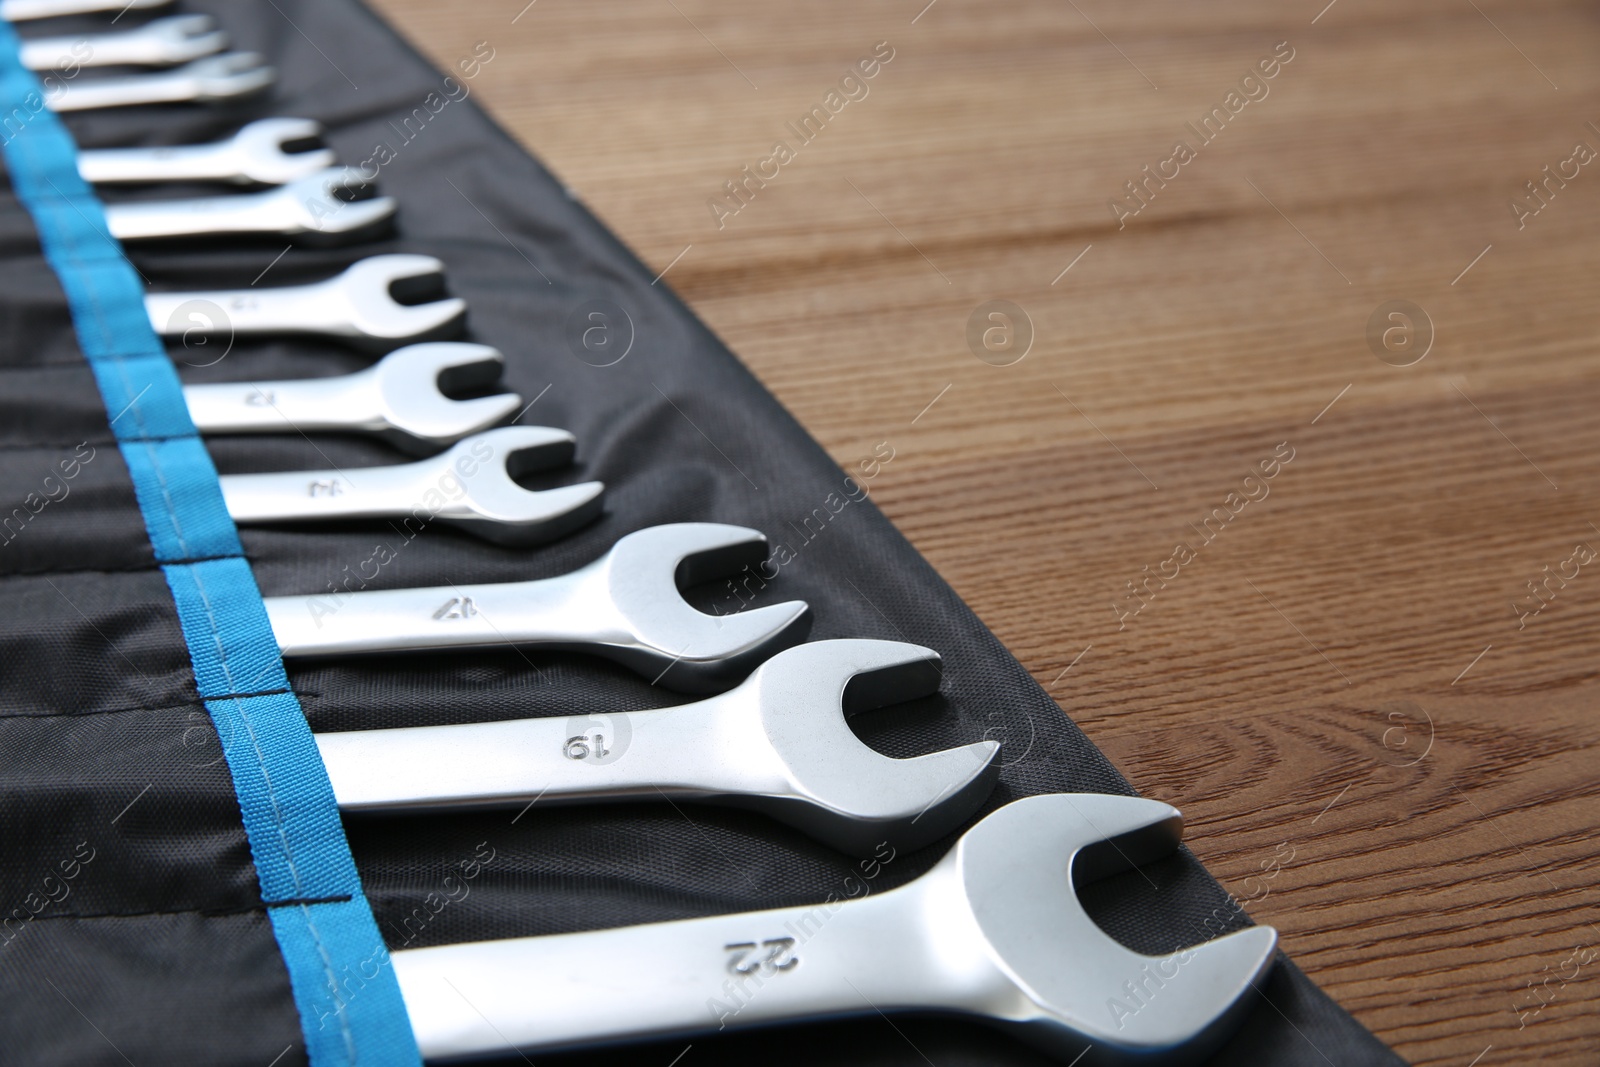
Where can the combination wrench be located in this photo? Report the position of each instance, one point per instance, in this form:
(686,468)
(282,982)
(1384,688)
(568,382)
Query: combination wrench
(160,43)
(994,932)
(777,744)
(332,206)
(625,606)
(264,152)
(212,80)
(471,487)
(358,306)
(401,399)
(24,10)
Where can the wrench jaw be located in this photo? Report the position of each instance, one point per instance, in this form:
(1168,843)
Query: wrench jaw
(493,506)
(1013,870)
(671,642)
(182,38)
(416,415)
(227,77)
(838,789)
(332,207)
(263,155)
(366,293)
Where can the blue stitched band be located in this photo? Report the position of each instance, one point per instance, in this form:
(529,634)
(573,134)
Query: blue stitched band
(350,1007)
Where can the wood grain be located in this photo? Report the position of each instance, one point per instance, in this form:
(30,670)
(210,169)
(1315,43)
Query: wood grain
(1371,753)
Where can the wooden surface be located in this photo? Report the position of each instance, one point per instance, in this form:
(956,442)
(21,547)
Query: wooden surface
(1372,755)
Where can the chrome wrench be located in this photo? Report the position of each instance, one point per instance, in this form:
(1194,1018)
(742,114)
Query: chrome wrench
(314,210)
(624,606)
(258,154)
(159,43)
(23,10)
(470,487)
(778,744)
(212,80)
(994,932)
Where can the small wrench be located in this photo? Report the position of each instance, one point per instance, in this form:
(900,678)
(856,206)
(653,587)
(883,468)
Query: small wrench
(357,306)
(314,210)
(257,155)
(471,486)
(994,932)
(777,744)
(624,606)
(159,43)
(212,80)
(23,10)
(400,398)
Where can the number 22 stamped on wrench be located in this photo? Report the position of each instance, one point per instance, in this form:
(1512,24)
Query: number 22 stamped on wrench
(624,606)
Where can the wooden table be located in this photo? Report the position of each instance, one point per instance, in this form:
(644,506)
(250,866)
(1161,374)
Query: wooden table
(1384,742)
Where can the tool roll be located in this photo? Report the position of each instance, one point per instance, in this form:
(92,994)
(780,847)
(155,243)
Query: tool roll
(174,874)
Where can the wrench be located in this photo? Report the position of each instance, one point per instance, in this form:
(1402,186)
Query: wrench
(312,209)
(212,80)
(993,932)
(257,155)
(23,10)
(357,306)
(624,606)
(400,398)
(777,744)
(471,486)
(160,43)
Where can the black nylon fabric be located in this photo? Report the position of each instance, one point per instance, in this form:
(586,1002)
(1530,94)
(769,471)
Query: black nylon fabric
(160,951)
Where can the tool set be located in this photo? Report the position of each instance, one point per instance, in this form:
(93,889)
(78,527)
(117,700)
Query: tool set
(993,931)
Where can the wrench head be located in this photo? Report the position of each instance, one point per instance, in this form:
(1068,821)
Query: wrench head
(416,415)
(226,77)
(841,791)
(181,38)
(334,206)
(262,150)
(493,506)
(367,292)
(666,638)
(1071,983)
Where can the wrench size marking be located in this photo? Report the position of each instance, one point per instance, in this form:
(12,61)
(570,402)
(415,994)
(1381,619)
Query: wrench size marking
(330,487)
(457,607)
(779,956)
(261,398)
(586,746)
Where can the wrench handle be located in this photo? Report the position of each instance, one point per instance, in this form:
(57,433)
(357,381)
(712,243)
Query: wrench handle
(199,162)
(360,493)
(553,612)
(344,402)
(246,312)
(130,90)
(240,213)
(674,752)
(677,979)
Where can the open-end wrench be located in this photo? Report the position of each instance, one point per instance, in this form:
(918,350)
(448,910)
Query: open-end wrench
(160,43)
(624,606)
(358,306)
(401,398)
(205,81)
(23,10)
(994,932)
(471,487)
(778,744)
(259,154)
(323,208)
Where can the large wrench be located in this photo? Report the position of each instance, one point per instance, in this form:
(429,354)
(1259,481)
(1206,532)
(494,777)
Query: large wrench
(23,10)
(777,744)
(264,152)
(357,306)
(205,81)
(159,43)
(624,606)
(993,932)
(400,398)
(471,487)
(322,208)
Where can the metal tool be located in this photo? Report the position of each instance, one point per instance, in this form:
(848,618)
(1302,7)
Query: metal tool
(212,80)
(777,744)
(624,606)
(993,932)
(261,153)
(159,43)
(358,306)
(472,487)
(23,10)
(324,208)
(400,398)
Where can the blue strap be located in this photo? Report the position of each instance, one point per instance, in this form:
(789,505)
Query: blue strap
(350,1007)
